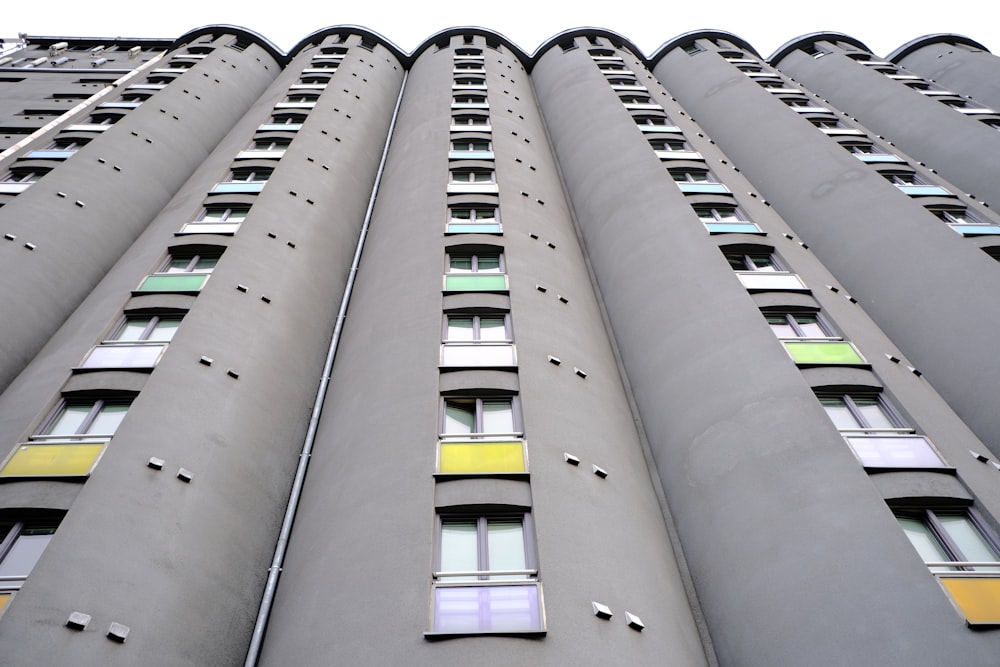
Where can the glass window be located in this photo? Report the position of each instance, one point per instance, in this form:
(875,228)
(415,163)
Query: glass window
(862,412)
(224,214)
(475,263)
(798,325)
(949,536)
(99,417)
(21,545)
(476,546)
(152,328)
(465,416)
(472,176)
(753,262)
(467,328)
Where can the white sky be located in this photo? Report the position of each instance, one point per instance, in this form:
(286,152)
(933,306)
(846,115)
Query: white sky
(882,26)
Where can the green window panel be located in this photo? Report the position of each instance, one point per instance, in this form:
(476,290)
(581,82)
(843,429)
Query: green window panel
(179,282)
(487,457)
(56,460)
(476,283)
(823,352)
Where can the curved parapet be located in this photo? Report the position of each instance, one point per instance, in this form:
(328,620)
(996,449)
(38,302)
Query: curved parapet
(344,30)
(491,36)
(811,38)
(563,37)
(689,37)
(936,38)
(244,33)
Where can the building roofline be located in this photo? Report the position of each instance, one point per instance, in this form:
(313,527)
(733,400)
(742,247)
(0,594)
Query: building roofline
(475,30)
(926,40)
(684,38)
(587,31)
(351,29)
(812,38)
(148,42)
(255,37)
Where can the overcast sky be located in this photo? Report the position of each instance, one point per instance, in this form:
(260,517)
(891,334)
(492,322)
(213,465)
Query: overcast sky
(882,26)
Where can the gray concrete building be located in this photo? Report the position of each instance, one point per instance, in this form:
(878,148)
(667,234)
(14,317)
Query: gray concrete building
(474,356)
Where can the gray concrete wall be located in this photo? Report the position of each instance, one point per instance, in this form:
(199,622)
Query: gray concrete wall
(772,510)
(959,147)
(596,539)
(121,179)
(183,565)
(852,220)
(959,67)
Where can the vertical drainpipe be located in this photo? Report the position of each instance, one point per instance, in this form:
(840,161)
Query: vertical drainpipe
(273,572)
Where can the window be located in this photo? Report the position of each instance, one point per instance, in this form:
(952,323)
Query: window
(471,548)
(218,219)
(473,218)
(302,98)
(70,441)
(147,328)
(961,554)
(658,121)
(183,272)
(759,271)
(472,176)
(470,101)
(486,581)
(85,419)
(283,122)
(481,340)
(668,144)
(481,271)
(465,149)
(22,541)
(964,221)
(137,343)
(225,214)
(943,536)
(478,417)
(267,148)
(696,181)
(724,218)
(877,434)
(19,180)
(672,148)
(635,98)
(808,340)
(60,149)
(909,183)
(248,181)
(469,80)
(471,121)
(868,152)
(861,412)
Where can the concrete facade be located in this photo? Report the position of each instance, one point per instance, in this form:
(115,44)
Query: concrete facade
(593,358)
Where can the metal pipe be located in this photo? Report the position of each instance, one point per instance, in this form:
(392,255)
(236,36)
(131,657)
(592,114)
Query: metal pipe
(273,572)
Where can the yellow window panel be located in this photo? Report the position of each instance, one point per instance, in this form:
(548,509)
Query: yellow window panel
(977,597)
(488,457)
(63,460)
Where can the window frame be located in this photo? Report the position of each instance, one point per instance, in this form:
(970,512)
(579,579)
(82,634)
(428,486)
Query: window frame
(863,425)
(478,403)
(97,405)
(10,584)
(946,541)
